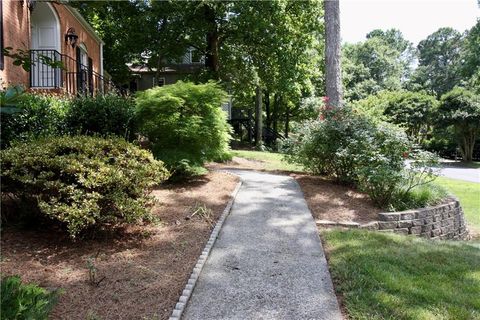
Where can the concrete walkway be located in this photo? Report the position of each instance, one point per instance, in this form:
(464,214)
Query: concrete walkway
(268,262)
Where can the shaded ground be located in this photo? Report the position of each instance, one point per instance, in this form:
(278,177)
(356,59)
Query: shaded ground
(268,262)
(144,268)
(330,201)
(326,199)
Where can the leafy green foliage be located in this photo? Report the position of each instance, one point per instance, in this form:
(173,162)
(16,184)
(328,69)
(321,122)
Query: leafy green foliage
(81,181)
(25,301)
(37,115)
(23,58)
(354,149)
(9,98)
(102,115)
(411,110)
(379,63)
(460,108)
(439,61)
(184,121)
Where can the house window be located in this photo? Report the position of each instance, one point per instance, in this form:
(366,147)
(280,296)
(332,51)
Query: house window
(196,56)
(158,82)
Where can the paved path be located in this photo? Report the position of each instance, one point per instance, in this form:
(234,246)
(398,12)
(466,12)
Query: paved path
(268,262)
(465,174)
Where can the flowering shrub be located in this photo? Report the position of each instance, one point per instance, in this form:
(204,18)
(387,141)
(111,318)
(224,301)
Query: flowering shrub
(354,149)
(81,181)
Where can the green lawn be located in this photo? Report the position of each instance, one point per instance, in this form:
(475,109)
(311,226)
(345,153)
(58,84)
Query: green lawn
(388,276)
(271,160)
(469,195)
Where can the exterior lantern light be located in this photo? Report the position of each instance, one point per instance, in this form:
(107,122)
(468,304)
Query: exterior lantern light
(71,37)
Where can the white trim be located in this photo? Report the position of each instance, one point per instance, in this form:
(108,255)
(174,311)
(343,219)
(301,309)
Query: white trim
(84,23)
(101,59)
(59,33)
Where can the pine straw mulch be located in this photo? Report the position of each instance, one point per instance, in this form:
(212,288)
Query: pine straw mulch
(144,268)
(326,199)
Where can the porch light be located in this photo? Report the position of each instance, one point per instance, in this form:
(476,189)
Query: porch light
(30,4)
(71,37)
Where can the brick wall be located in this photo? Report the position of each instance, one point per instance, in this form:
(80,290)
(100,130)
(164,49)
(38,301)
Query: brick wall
(67,20)
(16,33)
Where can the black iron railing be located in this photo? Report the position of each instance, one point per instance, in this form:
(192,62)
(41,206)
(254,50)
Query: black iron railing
(52,70)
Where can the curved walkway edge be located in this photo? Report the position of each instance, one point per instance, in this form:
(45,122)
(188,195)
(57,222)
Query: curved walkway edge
(268,261)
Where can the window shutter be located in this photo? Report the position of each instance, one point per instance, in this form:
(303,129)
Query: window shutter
(90,75)
(80,87)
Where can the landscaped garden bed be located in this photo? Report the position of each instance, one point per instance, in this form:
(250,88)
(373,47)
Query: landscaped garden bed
(140,271)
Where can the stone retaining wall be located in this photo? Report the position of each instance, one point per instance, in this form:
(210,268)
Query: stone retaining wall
(445,221)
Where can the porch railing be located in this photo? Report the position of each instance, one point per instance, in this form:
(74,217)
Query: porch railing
(52,70)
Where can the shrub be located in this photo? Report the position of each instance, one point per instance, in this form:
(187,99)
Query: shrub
(25,301)
(37,115)
(101,115)
(356,150)
(184,121)
(411,110)
(460,108)
(82,181)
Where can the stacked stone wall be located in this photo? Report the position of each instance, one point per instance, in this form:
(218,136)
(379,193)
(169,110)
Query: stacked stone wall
(444,221)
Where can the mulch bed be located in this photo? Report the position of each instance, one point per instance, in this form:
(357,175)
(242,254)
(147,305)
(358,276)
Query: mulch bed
(326,199)
(142,270)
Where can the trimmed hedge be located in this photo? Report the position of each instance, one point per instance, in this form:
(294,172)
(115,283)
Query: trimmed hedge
(82,181)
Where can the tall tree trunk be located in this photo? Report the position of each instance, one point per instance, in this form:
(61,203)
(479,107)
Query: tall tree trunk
(287,122)
(332,53)
(258,116)
(276,106)
(268,120)
(212,61)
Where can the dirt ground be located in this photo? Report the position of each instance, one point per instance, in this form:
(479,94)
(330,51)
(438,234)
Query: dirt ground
(142,270)
(326,199)
(330,201)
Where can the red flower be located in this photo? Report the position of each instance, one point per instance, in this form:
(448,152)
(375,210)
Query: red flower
(322,117)
(405,155)
(325,99)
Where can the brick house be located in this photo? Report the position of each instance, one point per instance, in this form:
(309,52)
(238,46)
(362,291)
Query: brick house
(51,31)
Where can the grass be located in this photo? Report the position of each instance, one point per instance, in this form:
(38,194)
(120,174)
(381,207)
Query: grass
(469,195)
(388,276)
(271,160)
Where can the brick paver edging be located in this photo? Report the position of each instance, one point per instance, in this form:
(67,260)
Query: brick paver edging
(444,221)
(187,291)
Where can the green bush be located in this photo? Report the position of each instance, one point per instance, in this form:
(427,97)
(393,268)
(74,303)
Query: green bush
(82,181)
(25,301)
(357,150)
(101,115)
(460,108)
(38,115)
(184,124)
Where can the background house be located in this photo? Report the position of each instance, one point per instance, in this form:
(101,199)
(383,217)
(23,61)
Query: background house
(188,65)
(48,30)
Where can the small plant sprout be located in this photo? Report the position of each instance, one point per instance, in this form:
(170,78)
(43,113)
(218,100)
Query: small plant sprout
(92,271)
